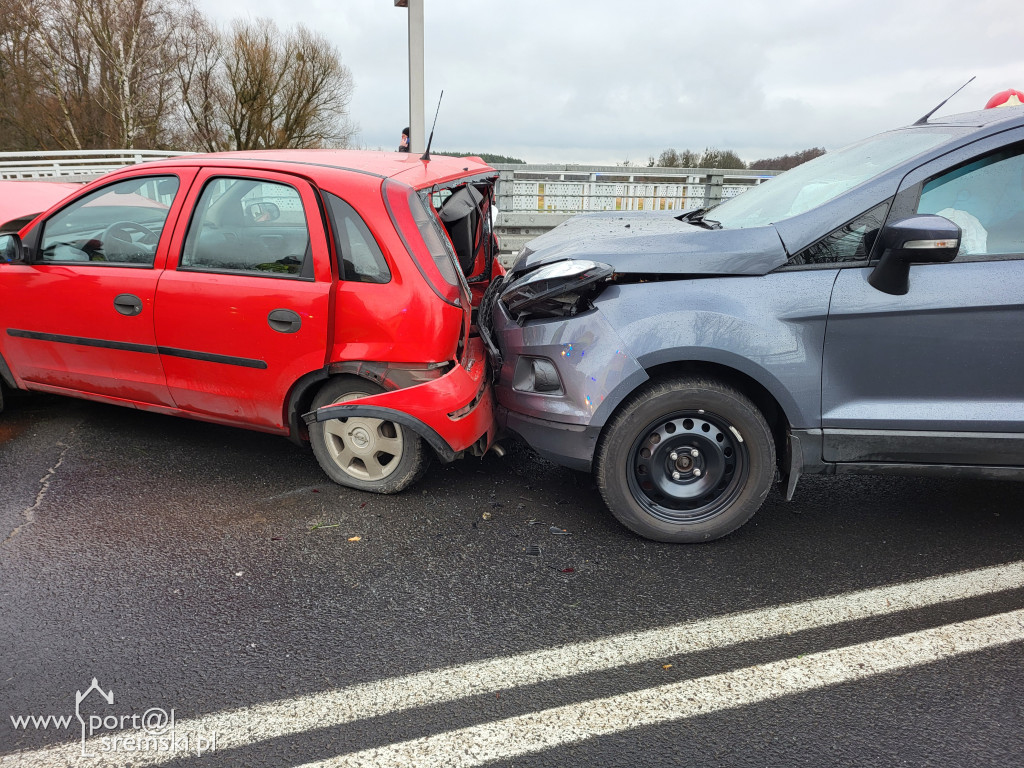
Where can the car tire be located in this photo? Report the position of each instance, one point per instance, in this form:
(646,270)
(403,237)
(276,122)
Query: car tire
(373,455)
(685,460)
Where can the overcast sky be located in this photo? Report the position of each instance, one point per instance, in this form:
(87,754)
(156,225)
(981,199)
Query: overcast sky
(606,81)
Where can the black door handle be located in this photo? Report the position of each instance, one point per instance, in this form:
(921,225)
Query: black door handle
(128,304)
(284,321)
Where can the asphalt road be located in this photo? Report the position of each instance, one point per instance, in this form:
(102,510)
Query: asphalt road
(217,572)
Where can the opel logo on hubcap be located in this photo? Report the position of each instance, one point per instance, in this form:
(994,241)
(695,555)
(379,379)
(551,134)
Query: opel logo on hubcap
(360,437)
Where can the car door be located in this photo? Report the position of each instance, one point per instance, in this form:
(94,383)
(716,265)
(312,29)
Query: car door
(243,308)
(933,376)
(78,315)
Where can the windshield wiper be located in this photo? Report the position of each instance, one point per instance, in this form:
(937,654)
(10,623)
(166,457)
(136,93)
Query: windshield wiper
(697,217)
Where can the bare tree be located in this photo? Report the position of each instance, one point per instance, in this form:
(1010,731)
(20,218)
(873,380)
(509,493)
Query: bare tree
(670,158)
(81,74)
(19,73)
(786,162)
(315,94)
(203,93)
(65,61)
(133,44)
(284,90)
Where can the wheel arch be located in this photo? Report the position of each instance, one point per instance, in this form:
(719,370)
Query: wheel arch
(773,411)
(300,396)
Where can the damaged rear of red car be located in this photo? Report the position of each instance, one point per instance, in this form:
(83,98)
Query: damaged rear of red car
(445,228)
(324,295)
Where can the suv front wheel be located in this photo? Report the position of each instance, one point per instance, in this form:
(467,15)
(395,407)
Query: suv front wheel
(685,460)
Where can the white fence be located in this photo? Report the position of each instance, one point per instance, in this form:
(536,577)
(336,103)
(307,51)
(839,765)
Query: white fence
(535,198)
(73,165)
(531,198)
(575,189)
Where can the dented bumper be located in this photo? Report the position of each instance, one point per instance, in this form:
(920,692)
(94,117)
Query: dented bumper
(453,414)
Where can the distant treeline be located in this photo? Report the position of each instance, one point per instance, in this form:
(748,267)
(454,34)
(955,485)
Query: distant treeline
(726,158)
(487,157)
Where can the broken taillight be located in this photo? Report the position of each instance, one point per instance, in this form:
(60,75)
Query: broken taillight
(424,239)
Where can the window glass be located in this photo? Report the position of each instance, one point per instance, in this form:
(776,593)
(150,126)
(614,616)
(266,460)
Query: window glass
(248,225)
(985,199)
(850,243)
(361,257)
(118,224)
(819,180)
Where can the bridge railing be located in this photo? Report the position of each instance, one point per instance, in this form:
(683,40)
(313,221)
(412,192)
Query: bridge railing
(535,198)
(73,165)
(531,198)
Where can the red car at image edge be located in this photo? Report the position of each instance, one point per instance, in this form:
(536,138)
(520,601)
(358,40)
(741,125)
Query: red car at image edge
(266,290)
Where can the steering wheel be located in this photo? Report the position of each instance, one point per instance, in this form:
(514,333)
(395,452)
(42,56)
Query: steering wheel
(122,230)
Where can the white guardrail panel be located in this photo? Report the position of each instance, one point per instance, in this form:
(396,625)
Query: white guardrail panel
(531,198)
(64,163)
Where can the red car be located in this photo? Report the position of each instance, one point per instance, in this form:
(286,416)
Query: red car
(255,289)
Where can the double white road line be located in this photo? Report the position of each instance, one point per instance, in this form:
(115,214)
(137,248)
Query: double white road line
(576,722)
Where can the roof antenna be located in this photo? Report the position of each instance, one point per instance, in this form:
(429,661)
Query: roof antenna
(426,155)
(924,120)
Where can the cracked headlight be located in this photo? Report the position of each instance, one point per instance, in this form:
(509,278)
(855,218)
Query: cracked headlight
(561,289)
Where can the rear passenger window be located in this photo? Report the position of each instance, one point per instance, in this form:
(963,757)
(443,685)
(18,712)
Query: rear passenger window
(250,226)
(361,257)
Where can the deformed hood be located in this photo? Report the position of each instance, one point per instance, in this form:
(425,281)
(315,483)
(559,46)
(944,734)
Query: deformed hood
(656,243)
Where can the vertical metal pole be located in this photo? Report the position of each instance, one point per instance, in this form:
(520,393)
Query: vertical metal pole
(418,141)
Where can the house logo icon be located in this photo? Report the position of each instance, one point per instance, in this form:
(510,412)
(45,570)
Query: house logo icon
(80,697)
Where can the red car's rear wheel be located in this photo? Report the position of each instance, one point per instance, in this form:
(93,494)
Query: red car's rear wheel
(369,454)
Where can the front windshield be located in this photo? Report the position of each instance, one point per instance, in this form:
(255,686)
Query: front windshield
(823,178)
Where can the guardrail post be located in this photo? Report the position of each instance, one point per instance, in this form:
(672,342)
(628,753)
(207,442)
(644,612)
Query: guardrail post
(505,191)
(713,190)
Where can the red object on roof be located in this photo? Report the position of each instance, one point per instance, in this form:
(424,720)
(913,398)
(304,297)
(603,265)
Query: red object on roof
(27,198)
(1007,98)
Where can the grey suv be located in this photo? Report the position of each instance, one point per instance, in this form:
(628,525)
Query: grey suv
(863,312)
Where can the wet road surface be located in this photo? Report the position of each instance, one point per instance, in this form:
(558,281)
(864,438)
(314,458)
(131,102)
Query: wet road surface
(218,573)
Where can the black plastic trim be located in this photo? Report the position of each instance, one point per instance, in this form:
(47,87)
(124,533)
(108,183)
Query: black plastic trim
(340,411)
(81,341)
(952,471)
(6,375)
(209,357)
(795,465)
(923,447)
(147,349)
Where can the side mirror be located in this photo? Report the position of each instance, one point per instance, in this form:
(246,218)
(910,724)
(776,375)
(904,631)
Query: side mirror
(258,213)
(918,240)
(11,250)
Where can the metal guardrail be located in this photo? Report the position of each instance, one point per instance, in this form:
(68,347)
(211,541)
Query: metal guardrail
(532,199)
(535,198)
(73,165)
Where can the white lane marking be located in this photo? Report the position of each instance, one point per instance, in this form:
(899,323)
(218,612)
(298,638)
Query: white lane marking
(557,727)
(272,720)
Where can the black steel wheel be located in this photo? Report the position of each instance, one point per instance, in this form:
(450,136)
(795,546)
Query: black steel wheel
(686,460)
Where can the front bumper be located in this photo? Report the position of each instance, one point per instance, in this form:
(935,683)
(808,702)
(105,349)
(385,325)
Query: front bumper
(595,370)
(453,414)
(569,445)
